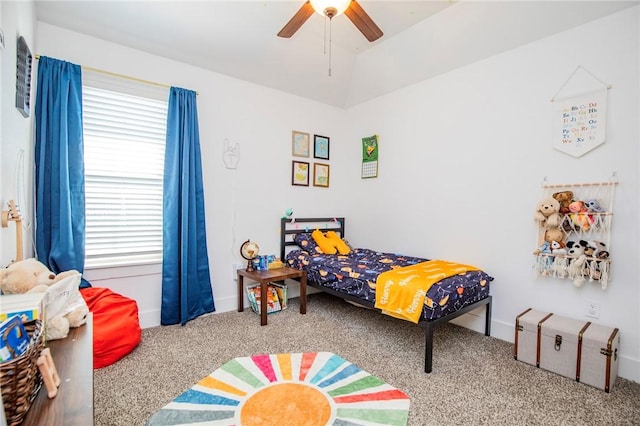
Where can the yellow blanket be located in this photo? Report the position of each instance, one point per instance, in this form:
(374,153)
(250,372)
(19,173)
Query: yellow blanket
(401,292)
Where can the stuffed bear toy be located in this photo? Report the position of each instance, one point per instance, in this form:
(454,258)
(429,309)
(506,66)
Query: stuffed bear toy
(564,198)
(25,276)
(547,215)
(31,276)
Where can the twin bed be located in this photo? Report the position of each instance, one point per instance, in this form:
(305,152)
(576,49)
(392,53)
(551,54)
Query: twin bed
(352,276)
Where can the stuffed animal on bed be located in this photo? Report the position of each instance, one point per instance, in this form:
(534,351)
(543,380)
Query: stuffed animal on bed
(64,307)
(547,215)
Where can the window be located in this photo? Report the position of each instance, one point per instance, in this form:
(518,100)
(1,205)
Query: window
(124,139)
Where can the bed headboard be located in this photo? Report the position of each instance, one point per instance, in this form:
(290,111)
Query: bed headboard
(290,227)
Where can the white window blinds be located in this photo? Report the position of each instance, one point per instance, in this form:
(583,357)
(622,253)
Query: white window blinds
(124,139)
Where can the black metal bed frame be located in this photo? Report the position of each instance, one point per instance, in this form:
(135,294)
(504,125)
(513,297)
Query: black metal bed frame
(338,225)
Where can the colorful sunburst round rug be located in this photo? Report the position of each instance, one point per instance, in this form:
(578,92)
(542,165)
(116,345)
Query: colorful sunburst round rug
(299,389)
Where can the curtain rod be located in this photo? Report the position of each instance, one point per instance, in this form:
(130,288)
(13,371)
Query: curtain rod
(113,74)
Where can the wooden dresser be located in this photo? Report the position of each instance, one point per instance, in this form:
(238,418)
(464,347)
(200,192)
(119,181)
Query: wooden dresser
(73,405)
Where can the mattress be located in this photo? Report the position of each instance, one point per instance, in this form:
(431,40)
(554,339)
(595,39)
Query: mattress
(355,274)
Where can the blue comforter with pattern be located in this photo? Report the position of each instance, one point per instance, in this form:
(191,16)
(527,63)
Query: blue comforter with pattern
(356,273)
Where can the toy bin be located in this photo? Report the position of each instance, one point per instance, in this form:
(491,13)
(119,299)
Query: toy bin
(20,378)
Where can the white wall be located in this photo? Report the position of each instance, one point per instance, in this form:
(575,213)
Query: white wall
(463,157)
(17,19)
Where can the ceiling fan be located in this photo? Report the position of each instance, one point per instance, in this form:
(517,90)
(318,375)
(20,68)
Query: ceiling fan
(330,9)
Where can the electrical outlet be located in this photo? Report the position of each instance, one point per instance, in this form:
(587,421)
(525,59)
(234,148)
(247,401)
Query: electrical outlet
(593,309)
(234,269)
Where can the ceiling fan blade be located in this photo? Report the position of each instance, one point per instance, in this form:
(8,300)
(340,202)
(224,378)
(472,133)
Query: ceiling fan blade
(362,21)
(296,22)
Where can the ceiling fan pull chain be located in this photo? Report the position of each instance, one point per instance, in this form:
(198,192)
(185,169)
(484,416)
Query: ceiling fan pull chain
(330,46)
(325,36)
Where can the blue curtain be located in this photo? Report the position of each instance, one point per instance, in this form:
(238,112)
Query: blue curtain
(59,167)
(186,284)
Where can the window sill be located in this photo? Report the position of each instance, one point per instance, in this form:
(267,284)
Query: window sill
(119,271)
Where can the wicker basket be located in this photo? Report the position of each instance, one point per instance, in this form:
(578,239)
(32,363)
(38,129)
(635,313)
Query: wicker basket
(20,379)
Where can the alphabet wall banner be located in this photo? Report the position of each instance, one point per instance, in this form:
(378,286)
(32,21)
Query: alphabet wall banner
(580,115)
(580,123)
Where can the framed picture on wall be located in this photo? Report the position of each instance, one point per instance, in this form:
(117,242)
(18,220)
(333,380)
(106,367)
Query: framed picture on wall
(320,147)
(299,144)
(299,173)
(321,175)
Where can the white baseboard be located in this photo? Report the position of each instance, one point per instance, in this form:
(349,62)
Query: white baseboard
(149,318)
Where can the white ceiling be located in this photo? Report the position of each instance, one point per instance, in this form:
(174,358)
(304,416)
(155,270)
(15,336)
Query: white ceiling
(238,38)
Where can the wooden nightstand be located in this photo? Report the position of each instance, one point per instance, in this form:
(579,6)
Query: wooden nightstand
(269,276)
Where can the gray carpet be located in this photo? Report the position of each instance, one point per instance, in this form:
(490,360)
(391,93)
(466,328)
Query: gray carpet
(475,379)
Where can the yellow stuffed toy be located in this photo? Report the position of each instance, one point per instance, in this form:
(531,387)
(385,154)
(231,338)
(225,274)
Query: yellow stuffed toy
(330,243)
(326,245)
(341,246)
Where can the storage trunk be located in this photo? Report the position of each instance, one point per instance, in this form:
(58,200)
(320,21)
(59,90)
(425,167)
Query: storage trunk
(600,347)
(576,349)
(527,346)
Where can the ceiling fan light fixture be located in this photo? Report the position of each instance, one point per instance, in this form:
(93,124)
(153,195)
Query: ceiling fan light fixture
(330,8)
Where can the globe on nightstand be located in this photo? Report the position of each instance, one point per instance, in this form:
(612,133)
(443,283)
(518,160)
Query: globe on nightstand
(249,250)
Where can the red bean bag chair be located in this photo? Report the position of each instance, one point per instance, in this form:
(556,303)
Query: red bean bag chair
(116,329)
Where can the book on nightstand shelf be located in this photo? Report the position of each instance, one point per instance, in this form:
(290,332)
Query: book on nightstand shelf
(273,302)
(281,289)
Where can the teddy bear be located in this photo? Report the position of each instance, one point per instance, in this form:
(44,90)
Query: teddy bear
(31,276)
(547,215)
(25,276)
(564,198)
